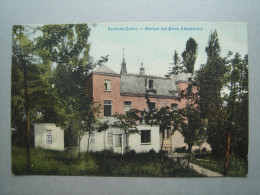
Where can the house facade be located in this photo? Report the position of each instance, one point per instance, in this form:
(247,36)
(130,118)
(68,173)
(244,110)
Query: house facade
(118,93)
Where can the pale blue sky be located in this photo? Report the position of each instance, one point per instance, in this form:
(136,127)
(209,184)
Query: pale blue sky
(156,48)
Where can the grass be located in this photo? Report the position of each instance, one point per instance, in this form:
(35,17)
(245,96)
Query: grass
(106,163)
(237,168)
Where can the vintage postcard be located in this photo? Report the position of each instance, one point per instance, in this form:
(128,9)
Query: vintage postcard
(130,99)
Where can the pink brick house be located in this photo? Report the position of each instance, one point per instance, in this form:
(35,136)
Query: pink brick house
(118,93)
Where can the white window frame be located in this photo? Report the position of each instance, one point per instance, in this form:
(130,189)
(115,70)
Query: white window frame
(49,137)
(118,140)
(147,84)
(107,85)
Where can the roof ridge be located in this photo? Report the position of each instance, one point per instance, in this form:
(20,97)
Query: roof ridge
(104,69)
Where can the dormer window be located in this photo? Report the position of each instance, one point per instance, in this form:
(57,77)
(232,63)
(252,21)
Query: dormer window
(107,85)
(149,84)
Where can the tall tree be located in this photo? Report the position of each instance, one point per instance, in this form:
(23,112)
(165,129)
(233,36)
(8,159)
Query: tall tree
(190,54)
(210,78)
(21,59)
(177,65)
(192,127)
(237,130)
(67,47)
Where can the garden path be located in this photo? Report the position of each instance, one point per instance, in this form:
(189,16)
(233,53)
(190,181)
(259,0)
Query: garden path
(201,170)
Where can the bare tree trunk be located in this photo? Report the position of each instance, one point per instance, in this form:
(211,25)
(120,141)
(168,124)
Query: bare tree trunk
(189,152)
(227,154)
(88,141)
(79,140)
(27,124)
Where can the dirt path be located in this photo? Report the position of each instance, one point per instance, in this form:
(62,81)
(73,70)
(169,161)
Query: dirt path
(204,171)
(197,168)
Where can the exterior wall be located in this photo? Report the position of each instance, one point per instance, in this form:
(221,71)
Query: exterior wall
(99,95)
(178,142)
(98,145)
(135,140)
(40,136)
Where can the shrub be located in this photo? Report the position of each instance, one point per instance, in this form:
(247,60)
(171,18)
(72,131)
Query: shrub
(204,150)
(131,152)
(152,152)
(236,166)
(196,151)
(181,150)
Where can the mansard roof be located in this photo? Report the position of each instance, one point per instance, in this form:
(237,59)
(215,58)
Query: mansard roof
(135,85)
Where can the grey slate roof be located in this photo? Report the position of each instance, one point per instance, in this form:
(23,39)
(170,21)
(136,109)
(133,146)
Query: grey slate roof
(103,69)
(132,84)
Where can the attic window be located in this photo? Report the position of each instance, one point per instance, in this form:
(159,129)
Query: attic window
(107,85)
(149,84)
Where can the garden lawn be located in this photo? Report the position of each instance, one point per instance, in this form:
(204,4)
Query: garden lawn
(106,163)
(237,168)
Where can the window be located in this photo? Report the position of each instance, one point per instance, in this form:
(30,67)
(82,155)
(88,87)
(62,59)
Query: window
(107,108)
(151,106)
(49,137)
(92,138)
(107,85)
(145,136)
(174,106)
(110,139)
(167,132)
(149,83)
(182,93)
(127,106)
(118,140)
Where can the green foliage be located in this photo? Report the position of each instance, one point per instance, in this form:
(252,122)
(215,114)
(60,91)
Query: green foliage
(189,55)
(177,65)
(210,79)
(193,130)
(181,150)
(57,62)
(127,123)
(237,167)
(106,163)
